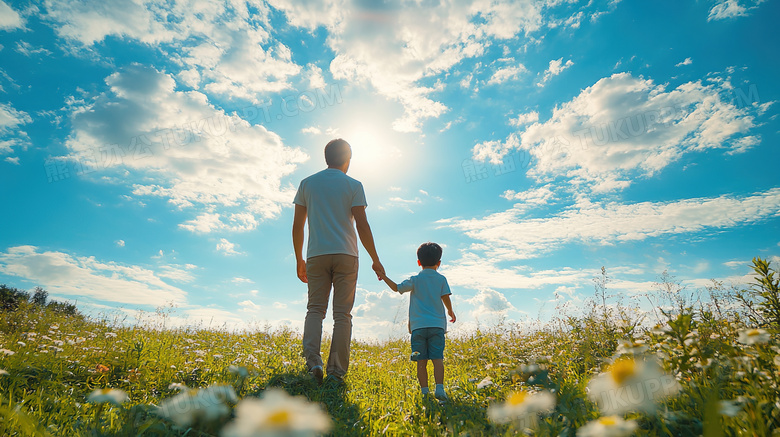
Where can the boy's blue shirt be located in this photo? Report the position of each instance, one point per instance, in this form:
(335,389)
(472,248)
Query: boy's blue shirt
(426,310)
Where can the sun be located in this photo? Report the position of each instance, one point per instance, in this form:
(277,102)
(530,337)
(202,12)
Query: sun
(375,152)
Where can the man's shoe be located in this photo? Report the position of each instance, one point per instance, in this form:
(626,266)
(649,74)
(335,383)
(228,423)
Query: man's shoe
(317,373)
(441,395)
(334,381)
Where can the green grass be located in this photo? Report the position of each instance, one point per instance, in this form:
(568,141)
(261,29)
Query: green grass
(62,358)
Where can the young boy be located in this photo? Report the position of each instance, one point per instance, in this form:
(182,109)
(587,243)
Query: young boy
(427,322)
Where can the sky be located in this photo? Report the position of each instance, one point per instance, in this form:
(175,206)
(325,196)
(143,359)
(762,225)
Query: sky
(150,150)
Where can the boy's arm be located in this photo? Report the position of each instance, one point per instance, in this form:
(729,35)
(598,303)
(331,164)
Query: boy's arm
(448,305)
(393,286)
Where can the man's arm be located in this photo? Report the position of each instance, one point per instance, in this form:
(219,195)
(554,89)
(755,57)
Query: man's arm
(367,238)
(299,220)
(448,305)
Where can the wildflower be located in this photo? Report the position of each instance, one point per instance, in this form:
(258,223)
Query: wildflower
(21,343)
(777,359)
(753,336)
(110,334)
(217,356)
(54,327)
(6,352)
(58,342)
(277,413)
(238,370)
(3,372)
(609,426)
(195,405)
(522,408)
(46,337)
(177,386)
(631,384)
(628,347)
(487,382)
(110,395)
(414,354)
(729,408)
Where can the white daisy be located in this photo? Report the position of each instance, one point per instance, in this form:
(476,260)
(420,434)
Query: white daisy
(277,414)
(609,426)
(110,395)
(631,384)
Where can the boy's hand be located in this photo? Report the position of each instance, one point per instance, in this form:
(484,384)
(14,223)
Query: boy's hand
(452,316)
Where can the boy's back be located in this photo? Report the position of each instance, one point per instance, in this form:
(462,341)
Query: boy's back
(426,309)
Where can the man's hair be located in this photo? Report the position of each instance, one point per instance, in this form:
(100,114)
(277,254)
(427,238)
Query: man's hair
(337,153)
(429,254)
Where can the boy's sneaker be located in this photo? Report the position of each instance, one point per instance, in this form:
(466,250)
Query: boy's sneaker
(317,373)
(441,395)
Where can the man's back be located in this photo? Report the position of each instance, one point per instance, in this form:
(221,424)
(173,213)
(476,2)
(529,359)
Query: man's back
(329,196)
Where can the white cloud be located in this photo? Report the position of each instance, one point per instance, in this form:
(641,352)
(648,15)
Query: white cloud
(227,248)
(725,9)
(396,47)
(313,130)
(27,49)
(223,48)
(624,127)
(687,61)
(522,119)
(248,306)
(176,273)
(489,304)
(532,197)
(178,147)
(240,280)
(11,134)
(380,315)
(506,74)
(478,272)
(508,235)
(12,159)
(120,243)
(9,18)
(555,68)
(86,277)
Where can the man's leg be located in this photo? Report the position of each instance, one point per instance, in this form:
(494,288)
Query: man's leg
(345,270)
(319,273)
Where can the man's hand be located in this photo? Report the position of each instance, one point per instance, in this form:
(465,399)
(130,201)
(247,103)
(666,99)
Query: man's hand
(452,316)
(379,269)
(301,267)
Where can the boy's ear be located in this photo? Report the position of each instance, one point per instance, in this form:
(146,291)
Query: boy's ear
(419,263)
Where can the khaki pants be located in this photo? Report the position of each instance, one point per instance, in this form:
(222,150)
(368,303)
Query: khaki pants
(340,272)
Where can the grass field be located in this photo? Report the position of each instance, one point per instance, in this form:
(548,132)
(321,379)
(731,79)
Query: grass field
(711,367)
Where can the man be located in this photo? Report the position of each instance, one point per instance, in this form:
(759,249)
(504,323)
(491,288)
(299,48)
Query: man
(331,201)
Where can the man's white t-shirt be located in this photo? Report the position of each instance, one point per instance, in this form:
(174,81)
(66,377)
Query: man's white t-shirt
(329,197)
(426,310)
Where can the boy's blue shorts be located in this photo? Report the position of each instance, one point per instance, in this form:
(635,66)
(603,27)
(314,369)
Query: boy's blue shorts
(429,342)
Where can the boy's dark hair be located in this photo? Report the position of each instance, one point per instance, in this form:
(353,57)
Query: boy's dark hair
(429,254)
(337,153)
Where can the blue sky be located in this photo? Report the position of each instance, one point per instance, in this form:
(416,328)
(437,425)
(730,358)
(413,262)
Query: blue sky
(150,150)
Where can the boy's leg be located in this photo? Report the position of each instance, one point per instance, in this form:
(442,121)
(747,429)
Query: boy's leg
(436,354)
(422,373)
(438,371)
